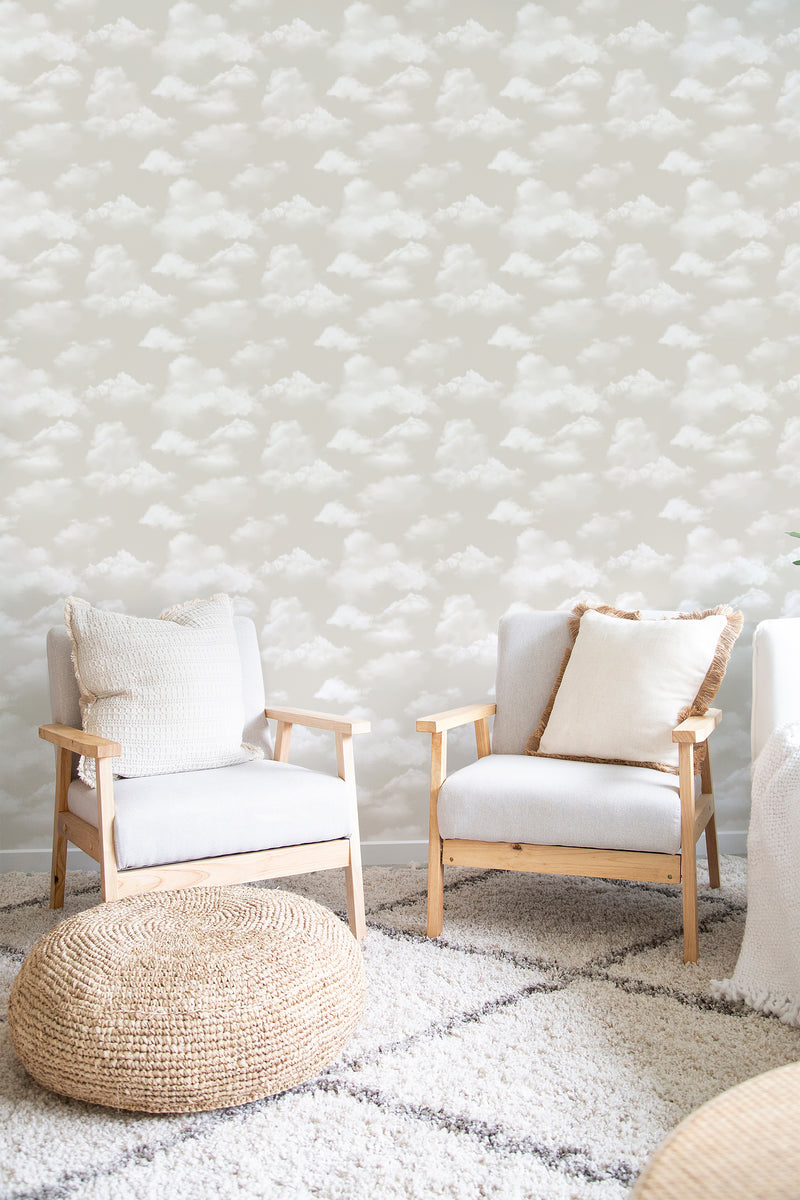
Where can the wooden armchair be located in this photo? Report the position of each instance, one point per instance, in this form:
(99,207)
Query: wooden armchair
(255,820)
(515,812)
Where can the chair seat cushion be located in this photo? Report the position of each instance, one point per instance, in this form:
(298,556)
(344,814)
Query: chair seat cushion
(560,802)
(258,805)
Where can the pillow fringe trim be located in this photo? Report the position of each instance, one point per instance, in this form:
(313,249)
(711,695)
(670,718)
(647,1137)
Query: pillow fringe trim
(666,768)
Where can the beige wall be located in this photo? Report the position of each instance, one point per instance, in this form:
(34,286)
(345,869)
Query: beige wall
(385,318)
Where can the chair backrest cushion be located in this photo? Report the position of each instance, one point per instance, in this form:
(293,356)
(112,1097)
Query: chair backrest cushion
(65,694)
(530,648)
(776,679)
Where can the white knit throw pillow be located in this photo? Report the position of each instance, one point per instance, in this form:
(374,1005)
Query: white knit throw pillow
(168,690)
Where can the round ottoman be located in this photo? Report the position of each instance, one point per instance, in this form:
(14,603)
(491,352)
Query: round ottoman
(742,1145)
(188,1000)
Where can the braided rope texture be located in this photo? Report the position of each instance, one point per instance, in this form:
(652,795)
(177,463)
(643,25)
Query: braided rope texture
(189,1000)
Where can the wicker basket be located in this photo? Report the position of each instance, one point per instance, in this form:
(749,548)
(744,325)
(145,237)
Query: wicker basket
(188,1000)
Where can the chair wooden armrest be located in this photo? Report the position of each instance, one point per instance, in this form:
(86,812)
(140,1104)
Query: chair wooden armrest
(318,720)
(453,717)
(697,729)
(343,727)
(80,742)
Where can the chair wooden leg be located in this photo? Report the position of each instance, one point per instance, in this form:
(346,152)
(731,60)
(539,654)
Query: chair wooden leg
(688,852)
(109,884)
(435,888)
(345,764)
(435,917)
(712,852)
(689,890)
(355,894)
(58,869)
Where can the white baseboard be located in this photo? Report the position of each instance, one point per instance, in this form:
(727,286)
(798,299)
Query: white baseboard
(732,841)
(39,860)
(374,854)
(394,854)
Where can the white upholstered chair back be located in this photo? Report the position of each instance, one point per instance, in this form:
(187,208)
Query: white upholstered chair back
(65,695)
(530,648)
(776,678)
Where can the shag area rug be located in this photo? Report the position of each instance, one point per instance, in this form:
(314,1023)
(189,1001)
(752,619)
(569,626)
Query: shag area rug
(540,1048)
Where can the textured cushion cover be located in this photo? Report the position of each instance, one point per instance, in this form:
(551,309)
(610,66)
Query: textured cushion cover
(257,805)
(554,802)
(169,690)
(627,682)
(65,695)
(530,648)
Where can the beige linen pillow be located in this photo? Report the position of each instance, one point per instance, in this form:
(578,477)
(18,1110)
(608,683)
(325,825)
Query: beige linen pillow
(168,690)
(627,682)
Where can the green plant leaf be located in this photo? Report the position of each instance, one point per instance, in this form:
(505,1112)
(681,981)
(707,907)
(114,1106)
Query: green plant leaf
(794,535)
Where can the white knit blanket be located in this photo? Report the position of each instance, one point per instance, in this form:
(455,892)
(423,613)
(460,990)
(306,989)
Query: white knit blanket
(767,974)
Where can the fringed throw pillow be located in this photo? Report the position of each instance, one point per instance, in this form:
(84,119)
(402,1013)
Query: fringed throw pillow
(627,681)
(169,690)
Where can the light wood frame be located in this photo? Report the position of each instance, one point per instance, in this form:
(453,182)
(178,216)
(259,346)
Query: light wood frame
(98,842)
(697,817)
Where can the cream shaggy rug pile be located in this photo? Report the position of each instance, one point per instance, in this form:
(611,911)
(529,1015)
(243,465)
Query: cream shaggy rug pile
(541,1048)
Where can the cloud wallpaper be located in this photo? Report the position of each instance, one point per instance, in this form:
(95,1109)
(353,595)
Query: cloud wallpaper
(384,319)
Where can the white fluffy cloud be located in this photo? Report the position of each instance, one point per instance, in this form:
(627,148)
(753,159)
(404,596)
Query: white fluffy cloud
(367,389)
(338,514)
(508,512)
(463,109)
(121,34)
(367,212)
(635,108)
(113,286)
(368,37)
(290,460)
(710,212)
(296,35)
(711,386)
(290,109)
(469,37)
(192,213)
(115,109)
(368,564)
(464,460)
(289,285)
(120,213)
(464,285)
(194,36)
(711,39)
(470,563)
(636,461)
(390,451)
(541,386)
(540,564)
(541,213)
(635,285)
(540,37)
(571,446)
(192,388)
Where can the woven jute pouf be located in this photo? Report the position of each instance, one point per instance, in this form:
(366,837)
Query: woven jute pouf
(742,1145)
(189,1000)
